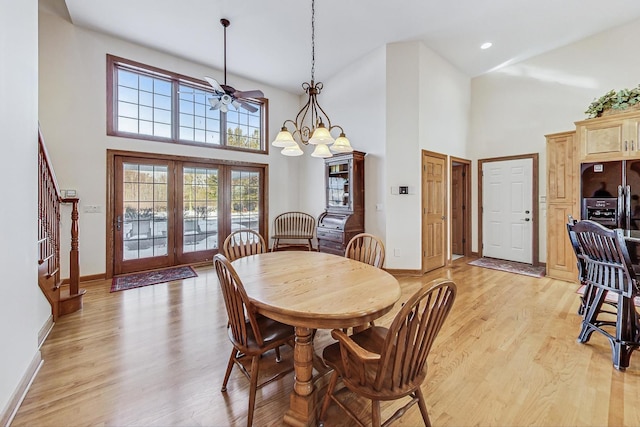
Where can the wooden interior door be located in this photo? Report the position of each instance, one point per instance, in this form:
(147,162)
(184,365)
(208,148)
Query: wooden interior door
(143,212)
(433,211)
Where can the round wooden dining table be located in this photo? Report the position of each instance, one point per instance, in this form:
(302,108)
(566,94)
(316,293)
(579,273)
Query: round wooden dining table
(314,290)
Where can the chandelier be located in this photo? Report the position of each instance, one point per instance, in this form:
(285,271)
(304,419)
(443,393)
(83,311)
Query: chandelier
(312,125)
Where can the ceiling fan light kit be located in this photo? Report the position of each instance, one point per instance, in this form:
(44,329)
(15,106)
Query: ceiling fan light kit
(309,124)
(226,95)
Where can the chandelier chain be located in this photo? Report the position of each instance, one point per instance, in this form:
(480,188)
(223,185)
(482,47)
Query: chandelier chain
(313,39)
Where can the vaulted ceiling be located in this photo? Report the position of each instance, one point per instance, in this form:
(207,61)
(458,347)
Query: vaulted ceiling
(270,40)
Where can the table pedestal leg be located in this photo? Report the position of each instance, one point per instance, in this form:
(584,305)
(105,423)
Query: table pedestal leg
(302,404)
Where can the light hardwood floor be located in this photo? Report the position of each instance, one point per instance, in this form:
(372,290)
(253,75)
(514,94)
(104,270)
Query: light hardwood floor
(155,356)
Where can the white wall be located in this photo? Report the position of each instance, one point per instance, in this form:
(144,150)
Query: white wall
(73,119)
(514,107)
(427,109)
(23,309)
(403,159)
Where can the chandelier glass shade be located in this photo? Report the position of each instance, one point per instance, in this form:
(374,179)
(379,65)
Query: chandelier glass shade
(311,125)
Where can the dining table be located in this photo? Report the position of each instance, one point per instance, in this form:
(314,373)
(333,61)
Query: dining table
(313,290)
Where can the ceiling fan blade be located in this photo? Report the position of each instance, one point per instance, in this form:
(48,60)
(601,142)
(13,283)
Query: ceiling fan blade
(215,103)
(214,84)
(248,106)
(248,94)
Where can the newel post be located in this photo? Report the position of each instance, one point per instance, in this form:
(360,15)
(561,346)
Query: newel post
(74,263)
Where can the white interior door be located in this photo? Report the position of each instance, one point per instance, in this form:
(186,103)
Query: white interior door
(507,212)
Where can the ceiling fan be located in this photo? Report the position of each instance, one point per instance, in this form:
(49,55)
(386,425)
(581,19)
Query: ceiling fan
(224,94)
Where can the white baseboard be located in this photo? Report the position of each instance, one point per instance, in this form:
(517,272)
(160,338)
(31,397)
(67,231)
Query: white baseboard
(44,331)
(6,416)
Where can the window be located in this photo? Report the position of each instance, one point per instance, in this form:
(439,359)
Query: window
(148,103)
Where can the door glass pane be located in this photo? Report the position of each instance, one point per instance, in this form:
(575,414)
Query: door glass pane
(145,211)
(200,208)
(245,200)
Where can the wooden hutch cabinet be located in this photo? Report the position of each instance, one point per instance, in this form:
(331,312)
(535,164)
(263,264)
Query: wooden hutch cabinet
(344,214)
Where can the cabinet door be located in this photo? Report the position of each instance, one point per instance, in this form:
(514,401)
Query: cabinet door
(610,138)
(561,260)
(602,140)
(560,168)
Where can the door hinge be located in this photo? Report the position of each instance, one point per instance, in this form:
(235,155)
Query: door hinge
(464,207)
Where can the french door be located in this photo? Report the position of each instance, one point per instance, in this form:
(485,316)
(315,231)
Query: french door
(170,212)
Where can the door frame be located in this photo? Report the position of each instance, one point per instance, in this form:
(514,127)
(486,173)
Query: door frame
(111,189)
(466,200)
(534,202)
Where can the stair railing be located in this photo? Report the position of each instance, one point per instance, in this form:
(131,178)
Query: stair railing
(49,202)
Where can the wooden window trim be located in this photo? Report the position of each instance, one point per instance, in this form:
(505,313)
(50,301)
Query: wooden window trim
(112,64)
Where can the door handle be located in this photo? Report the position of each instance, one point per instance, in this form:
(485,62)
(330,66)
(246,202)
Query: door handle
(526,219)
(119,223)
(626,146)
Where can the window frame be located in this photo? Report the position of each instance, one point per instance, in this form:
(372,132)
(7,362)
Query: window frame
(114,63)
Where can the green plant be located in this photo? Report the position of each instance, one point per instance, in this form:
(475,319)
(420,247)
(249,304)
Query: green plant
(614,100)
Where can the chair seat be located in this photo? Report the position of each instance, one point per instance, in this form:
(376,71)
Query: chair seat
(274,334)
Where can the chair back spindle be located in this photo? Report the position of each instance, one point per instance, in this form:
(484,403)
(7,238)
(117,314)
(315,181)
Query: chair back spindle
(367,248)
(243,243)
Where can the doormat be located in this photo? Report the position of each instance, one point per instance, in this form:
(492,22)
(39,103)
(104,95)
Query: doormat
(510,266)
(611,297)
(138,280)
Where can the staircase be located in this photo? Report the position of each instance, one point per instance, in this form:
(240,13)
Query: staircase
(63,299)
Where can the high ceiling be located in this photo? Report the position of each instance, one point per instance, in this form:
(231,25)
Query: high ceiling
(270,40)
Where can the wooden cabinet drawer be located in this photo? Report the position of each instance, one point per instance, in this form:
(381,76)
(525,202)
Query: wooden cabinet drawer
(330,247)
(328,234)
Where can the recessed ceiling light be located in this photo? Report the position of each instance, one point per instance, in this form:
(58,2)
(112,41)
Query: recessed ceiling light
(486,45)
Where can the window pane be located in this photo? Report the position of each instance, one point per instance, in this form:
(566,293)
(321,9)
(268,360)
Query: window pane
(128,79)
(126,109)
(162,130)
(245,200)
(145,211)
(200,207)
(239,133)
(137,94)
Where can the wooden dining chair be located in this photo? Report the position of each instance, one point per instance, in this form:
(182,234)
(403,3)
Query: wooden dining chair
(389,364)
(588,290)
(251,335)
(293,226)
(608,269)
(243,243)
(366,248)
